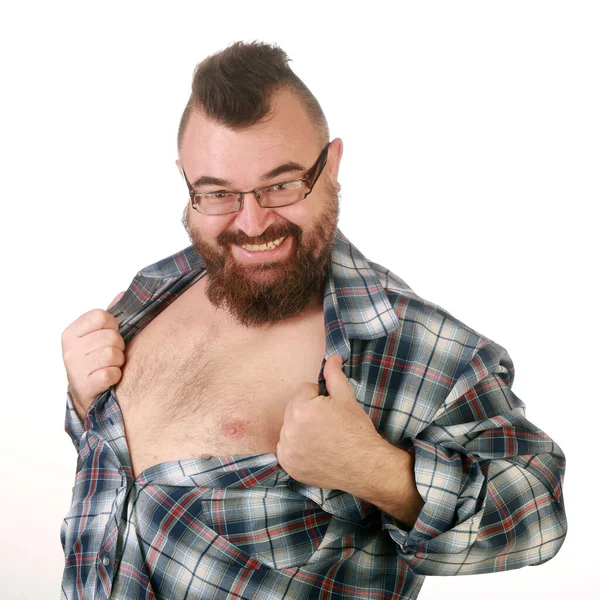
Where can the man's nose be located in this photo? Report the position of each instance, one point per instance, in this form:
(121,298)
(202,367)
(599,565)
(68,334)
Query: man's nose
(252,218)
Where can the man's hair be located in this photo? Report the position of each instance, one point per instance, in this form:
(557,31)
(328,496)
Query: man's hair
(234,88)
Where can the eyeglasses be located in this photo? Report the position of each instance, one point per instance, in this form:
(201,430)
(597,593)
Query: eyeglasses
(272,196)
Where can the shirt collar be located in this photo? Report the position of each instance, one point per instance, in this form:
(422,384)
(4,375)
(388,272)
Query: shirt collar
(355,303)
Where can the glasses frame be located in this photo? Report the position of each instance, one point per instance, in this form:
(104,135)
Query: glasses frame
(316,168)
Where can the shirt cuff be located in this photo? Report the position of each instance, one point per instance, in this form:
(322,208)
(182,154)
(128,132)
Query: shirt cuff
(73,424)
(453,487)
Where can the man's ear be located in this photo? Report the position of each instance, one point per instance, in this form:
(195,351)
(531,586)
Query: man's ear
(179,167)
(334,157)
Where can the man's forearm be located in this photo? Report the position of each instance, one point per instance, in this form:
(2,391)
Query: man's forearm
(388,482)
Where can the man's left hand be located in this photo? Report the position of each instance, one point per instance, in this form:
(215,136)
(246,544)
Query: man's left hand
(323,438)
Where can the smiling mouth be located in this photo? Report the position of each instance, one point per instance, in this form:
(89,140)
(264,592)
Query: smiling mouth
(263,247)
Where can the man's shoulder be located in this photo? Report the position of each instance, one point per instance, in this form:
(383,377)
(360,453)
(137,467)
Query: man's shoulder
(419,312)
(370,290)
(429,334)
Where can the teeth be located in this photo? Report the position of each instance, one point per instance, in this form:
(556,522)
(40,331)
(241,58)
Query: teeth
(263,247)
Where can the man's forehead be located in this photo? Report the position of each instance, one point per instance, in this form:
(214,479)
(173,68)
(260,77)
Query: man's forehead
(209,173)
(235,157)
(229,159)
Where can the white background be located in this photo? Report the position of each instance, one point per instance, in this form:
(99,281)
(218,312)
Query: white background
(470,169)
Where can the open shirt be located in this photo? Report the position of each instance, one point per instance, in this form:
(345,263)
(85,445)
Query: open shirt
(240,527)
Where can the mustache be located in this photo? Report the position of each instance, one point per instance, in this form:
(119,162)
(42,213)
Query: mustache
(274,232)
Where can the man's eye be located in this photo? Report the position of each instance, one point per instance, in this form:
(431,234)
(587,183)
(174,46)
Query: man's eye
(286,185)
(218,195)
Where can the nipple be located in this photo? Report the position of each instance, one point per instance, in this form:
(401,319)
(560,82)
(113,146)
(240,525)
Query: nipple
(234,429)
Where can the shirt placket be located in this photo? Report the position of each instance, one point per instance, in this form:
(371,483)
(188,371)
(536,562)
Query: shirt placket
(107,423)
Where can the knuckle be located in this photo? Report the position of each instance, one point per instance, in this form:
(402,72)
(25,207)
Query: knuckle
(109,355)
(109,375)
(117,340)
(302,412)
(119,357)
(101,319)
(104,376)
(297,411)
(283,454)
(95,315)
(112,353)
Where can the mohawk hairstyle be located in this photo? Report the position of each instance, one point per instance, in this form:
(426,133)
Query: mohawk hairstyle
(234,87)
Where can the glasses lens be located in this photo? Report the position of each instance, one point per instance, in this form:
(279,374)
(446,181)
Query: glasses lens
(284,193)
(217,204)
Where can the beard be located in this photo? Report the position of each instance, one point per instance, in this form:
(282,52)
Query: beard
(268,293)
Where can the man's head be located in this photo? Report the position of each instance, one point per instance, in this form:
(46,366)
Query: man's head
(234,87)
(251,123)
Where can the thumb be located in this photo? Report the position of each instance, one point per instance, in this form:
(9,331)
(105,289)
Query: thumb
(335,380)
(116,299)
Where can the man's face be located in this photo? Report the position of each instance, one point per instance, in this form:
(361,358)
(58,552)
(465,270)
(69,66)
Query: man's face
(261,287)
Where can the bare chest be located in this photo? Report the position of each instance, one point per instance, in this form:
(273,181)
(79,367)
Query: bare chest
(192,387)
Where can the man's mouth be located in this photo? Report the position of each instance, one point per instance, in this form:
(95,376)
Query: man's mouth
(263,247)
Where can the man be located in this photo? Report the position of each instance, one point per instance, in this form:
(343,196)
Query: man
(291,420)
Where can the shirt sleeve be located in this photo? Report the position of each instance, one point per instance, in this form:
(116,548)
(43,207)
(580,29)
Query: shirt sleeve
(491,480)
(73,424)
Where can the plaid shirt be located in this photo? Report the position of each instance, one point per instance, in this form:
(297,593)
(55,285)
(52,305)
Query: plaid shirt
(240,527)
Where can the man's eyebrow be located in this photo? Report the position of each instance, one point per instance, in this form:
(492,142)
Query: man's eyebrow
(288,167)
(208,180)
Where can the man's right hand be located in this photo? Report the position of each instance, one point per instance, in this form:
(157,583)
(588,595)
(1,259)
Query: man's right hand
(93,352)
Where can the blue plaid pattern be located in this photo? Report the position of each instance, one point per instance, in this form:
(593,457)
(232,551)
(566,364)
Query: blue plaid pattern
(240,527)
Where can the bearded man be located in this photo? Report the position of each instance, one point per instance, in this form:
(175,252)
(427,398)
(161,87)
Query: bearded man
(267,413)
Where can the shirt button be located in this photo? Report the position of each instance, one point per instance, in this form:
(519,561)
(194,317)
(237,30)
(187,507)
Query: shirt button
(106,561)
